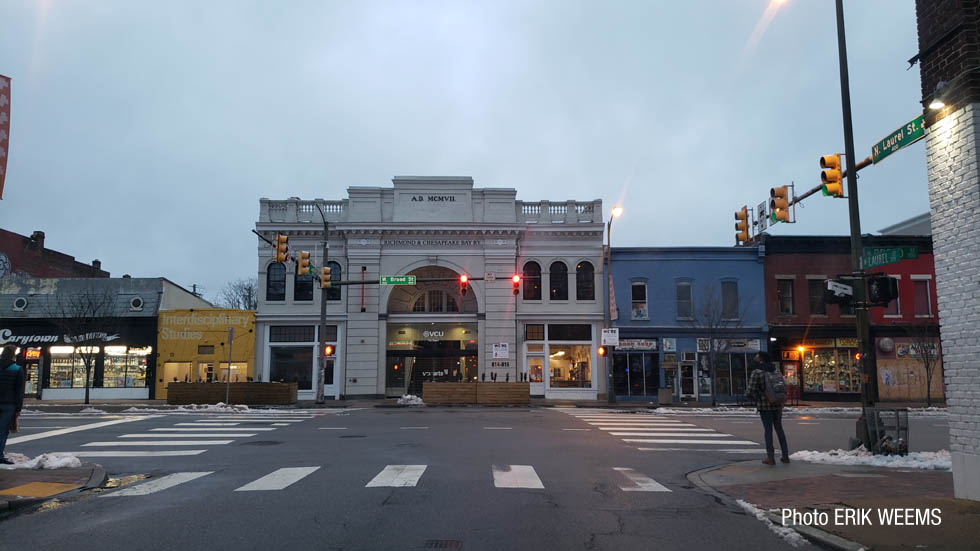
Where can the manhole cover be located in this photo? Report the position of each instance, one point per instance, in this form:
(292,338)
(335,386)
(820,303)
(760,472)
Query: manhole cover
(443,544)
(354,436)
(261,443)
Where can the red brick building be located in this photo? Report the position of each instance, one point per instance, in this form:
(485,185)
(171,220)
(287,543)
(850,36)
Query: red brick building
(27,256)
(816,343)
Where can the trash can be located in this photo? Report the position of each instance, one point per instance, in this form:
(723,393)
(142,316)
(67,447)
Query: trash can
(665,396)
(888,429)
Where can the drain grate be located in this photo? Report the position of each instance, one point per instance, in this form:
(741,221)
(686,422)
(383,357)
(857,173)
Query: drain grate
(443,544)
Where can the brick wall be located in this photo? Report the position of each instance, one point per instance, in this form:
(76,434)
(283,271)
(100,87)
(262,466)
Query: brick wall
(949,46)
(28,256)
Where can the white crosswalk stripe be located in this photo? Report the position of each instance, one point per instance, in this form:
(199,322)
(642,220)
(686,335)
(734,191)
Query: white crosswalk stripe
(279,479)
(161,443)
(156,485)
(397,476)
(516,476)
(677,441)
(200,424)
(641,482)
(671,434)
(185,435)
(134,453)
(219,430)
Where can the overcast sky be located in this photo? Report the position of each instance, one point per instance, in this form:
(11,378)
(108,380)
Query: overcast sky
(143,134)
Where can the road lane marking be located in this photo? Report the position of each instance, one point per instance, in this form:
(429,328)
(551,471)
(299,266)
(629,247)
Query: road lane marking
(59,432)
(279,479)
(516,476)
(413,428)
(333,428)
(578,429)
(157,485)
(201,424)
(161,443)
(673,441)
(805,423)
(280,424)
(185,435)
(722,450)
(653,425)
(397,476)
(642,483)
(134,453)
(220,430)
(655,429)
(860,475)
(498,428)
(672,434)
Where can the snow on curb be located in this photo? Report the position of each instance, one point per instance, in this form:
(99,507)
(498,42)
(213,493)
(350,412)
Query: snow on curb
(938,461)
(410,400)
(788,534)
(220,407)
(91,410)
(43,461)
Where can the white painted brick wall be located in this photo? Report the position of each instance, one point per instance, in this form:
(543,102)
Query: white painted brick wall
(954,196)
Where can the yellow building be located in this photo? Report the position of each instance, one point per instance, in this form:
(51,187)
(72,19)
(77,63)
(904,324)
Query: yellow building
(192,346)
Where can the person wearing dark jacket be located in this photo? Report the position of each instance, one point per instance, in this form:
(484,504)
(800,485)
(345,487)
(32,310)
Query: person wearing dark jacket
(11,395)
(771,414)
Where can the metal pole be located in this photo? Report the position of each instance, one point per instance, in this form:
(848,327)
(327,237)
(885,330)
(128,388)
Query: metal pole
(857,250)
(610,393)
(321,354)
(231,338)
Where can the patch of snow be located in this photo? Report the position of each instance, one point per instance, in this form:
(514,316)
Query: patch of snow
(91,410)
(43,461)
(938,461)
(410,400)
(789,535)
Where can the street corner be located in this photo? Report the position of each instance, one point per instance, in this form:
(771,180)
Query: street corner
(28,488)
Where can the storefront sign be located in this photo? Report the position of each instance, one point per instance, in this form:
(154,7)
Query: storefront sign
(7,337)
(637,344)
(501,350)
(791,356)
(847,343)
(434,335)
(742,345)
(819,343)
(610,337)
(95,336)
(670,345)
(32,354)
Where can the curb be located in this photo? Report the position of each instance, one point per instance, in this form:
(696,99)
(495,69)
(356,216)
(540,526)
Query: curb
(813,534)
(97,479)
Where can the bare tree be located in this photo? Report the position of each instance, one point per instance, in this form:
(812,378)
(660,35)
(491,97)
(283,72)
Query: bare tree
(85,317)
(717,322)
(925,349)
(242,294)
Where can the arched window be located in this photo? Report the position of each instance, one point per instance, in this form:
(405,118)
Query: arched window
(558,278)
(584,281)
(275,282)
(532,281)
(419,305)
(302,287)
(333,292)
(451,304)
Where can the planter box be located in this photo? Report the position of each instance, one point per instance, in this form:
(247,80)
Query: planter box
(252,394)
(477,393)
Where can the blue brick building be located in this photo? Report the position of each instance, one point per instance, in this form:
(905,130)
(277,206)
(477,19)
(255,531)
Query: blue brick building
(684,314)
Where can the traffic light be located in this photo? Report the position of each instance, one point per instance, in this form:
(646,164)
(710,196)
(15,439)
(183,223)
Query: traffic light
(516,283)
(464,283)
(282,247)
(833,186)
(303,264)
(602,351)
(857,356)
(328,350)
(882,290)
(325,277)
(779,204)
(742,226)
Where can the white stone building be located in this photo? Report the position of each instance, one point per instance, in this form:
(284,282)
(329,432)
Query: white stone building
(389,339)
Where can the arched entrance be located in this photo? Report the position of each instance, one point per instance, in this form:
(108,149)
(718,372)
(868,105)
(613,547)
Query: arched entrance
(432,332)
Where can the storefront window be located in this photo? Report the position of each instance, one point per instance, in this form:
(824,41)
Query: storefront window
(723,370)
(831,370)
(125,367)
(292,364)
(570,366)
(68,367)
(238,371)
(740,373)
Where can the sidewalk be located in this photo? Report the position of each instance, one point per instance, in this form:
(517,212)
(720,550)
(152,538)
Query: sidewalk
(806,487)
(23,489)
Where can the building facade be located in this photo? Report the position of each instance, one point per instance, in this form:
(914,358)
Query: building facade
(816,342)
(25,256)
(193,346)
(690,319)
(100,332)
(389,339)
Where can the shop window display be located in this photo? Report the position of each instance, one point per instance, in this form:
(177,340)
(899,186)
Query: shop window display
(570,366)
(125,367)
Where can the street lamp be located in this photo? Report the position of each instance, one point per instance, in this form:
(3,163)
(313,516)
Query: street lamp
(616,212)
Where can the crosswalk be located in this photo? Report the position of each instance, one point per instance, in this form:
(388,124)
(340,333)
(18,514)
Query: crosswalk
(657,433)
(504,477)
(193,437)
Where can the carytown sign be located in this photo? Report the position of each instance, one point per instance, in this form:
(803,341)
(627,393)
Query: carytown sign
(7,337)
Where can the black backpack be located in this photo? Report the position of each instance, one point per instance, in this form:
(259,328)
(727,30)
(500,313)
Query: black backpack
(775,387)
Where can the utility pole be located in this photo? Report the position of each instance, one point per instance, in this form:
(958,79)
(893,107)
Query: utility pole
(322,352)
(868,375)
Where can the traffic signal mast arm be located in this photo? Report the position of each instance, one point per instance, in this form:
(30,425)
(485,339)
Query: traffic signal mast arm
(864,163)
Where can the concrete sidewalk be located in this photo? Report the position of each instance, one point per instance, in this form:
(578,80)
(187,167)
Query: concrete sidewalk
(25,489)
(807,487)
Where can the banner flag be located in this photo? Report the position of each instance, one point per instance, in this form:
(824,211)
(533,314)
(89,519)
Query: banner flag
(4,128)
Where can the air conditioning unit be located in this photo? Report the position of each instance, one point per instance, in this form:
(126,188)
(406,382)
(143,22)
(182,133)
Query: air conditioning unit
(20,304)
(136,304)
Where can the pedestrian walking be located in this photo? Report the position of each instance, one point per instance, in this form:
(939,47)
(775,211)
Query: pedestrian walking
(768,388)
(11,396)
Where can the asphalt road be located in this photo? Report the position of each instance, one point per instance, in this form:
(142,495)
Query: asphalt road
(428,478)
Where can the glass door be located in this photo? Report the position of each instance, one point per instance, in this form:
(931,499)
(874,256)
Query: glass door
(535,374)
(687,380)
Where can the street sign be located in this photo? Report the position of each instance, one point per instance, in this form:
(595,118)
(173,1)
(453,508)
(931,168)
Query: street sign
(880,256)
(761,216)
(501,350)
(903,137)
(489,277)
(398,280)
(839,289)
(610,337)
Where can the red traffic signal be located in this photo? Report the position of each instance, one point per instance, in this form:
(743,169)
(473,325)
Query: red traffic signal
(602,350)
(857,356)
(516,280)
(464,281)
(328,350)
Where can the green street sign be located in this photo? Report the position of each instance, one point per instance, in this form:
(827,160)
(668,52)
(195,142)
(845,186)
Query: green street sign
(903,137)
(398,280)
(880,256)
